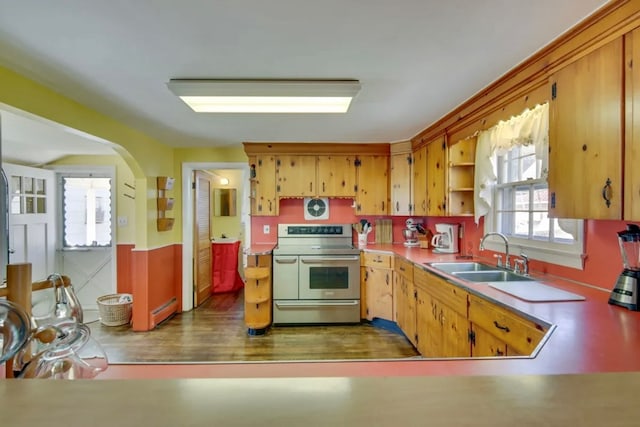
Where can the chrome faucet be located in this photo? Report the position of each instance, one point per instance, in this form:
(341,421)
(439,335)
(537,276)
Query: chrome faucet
(507,262)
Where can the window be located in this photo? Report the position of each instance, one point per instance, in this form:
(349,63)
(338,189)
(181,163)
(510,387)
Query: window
(28,195)
(87,211)
(519,204)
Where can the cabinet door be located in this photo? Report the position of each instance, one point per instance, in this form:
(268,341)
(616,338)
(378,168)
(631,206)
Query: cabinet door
(379,293)
(585,136)
(373,182)
(520,334)
(420,182)
(336,176)
(632,129)
(406,308)
(296,176)
(265,201)
(436,158)
(485,344)
(455,333)
(428,328)
(401,177)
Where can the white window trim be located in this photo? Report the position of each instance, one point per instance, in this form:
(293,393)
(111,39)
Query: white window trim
(548,252)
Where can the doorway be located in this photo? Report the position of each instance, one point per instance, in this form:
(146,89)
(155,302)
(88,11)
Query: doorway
(188,226)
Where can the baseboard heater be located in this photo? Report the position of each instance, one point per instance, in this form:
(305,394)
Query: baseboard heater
(162,312)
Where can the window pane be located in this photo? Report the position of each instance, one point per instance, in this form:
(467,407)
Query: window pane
(27,185)
(561,235)
(521,224)
(30,205)
(41,205)
(529,168)
(87,211)
(541,226)
(522,198)
(540,199)
(40,187)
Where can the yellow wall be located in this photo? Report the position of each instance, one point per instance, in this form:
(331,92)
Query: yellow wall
(125,206)
(146,157)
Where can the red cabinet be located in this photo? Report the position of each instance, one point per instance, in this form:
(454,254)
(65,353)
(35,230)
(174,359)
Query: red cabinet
(224,273)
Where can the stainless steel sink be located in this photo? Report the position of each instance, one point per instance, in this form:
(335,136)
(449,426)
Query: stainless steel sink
(450,267)
(491,276)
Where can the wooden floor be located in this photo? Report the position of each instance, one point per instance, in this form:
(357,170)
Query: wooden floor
(215,332)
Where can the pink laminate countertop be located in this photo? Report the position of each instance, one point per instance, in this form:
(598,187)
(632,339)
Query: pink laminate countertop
(589,336)
(260,249)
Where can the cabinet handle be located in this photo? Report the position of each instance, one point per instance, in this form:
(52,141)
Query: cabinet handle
(311,187)
(270,206)
(606,192)
(397,207)
(383,206)
(424,205)
(499,326)
(323,190)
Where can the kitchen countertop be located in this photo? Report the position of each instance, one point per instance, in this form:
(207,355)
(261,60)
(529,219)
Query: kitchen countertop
(517,400)
(589,336)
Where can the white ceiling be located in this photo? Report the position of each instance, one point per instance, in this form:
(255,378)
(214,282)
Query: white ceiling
(416,59)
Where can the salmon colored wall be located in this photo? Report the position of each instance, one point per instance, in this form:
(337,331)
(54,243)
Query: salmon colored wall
(123,256)
(156,280)
(603,262)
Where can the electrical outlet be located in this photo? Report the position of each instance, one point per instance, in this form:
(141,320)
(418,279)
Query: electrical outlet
(122,221)
(266,229)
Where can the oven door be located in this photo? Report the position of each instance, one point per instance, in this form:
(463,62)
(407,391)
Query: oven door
(329,277)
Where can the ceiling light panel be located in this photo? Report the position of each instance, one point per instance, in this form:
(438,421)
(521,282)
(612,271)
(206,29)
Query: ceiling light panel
(266,96)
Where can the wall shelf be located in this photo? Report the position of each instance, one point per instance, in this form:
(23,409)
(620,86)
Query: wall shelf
(165,203)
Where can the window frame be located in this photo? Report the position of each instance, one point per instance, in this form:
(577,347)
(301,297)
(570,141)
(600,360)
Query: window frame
(559,253)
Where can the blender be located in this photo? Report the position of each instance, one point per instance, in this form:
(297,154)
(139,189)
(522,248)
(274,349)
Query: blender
(625,292)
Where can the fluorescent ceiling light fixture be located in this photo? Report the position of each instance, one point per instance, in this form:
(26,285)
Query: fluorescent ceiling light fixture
(265,96)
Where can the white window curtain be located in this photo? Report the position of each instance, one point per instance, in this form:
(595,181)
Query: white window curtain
(530,127)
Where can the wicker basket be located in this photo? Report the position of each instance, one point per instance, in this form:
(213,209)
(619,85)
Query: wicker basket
(112,311)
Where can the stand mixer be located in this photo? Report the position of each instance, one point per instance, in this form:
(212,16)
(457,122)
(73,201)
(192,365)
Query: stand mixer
(410,233)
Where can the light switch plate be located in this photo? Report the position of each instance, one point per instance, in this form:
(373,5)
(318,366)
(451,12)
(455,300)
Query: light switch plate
(266,229)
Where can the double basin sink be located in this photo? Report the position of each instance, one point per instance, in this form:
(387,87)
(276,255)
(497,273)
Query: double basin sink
(478,272)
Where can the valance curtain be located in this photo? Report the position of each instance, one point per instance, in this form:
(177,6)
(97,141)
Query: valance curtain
(530,127)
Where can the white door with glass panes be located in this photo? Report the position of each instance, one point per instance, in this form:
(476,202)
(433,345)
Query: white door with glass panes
(87,233)
(32,218)
(32,226)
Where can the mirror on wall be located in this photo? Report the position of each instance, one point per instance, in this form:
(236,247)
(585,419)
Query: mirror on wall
(224,202)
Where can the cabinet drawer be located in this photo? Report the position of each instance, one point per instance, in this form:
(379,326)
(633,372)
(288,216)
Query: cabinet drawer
(437,287)
(372,259)
(521,334)
(403,267)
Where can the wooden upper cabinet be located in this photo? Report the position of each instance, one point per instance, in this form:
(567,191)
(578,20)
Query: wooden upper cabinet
(632,128)
(401,176)
(585,136)
(264,200)
(296,176)
(336,176)
(436,173)
(420,181)
(372,197)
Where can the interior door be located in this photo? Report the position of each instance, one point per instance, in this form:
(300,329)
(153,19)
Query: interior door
(32,218)
(202,238)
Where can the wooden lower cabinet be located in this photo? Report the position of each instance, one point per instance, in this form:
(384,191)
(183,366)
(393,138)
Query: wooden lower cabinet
(376,276)
(451,322)
(483,344)
(404,298)
(257,294)
(442,325)
(520,335)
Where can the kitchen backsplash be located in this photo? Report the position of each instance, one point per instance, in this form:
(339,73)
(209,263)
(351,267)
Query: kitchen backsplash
(603,262)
